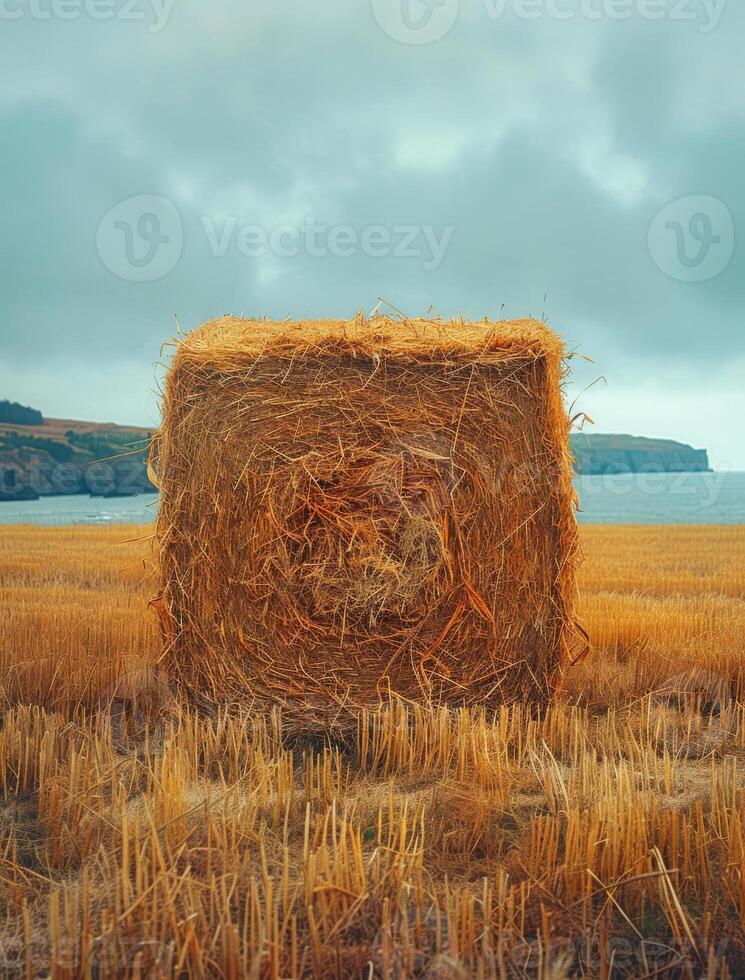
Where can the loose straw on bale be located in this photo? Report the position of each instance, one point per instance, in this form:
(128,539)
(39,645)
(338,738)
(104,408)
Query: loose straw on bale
(354,510)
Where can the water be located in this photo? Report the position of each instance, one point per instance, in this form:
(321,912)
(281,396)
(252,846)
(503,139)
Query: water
(629,498)
(662,498)
(80,510)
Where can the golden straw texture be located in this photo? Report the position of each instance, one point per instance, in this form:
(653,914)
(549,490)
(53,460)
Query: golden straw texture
(353,510)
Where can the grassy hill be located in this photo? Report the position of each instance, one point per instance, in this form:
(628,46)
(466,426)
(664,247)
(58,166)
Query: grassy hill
(72,456)
(68,439)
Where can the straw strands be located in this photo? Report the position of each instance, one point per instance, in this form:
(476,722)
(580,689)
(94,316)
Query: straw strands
(353,510)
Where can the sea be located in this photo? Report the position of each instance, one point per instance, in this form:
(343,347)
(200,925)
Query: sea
(627,498)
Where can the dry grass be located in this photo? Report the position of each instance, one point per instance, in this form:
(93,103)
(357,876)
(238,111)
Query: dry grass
(602,837)
(351,508)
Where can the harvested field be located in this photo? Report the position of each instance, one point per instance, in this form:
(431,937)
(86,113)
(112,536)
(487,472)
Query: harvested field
(602,836)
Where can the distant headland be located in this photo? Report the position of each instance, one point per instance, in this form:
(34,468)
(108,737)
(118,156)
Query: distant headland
(42,457)
(600,454)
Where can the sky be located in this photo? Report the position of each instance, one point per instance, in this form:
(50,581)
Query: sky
(581,161)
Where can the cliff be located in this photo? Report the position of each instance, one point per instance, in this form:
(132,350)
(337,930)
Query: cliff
(634,454)
(63,456)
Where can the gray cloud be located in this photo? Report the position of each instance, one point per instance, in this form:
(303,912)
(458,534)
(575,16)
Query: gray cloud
(548,146)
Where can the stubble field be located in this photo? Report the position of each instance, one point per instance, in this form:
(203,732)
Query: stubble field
(605,837)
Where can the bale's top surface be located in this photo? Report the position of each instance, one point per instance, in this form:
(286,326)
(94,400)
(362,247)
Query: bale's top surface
(484,340)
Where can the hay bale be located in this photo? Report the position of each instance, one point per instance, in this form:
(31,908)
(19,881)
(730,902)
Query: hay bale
(357,509)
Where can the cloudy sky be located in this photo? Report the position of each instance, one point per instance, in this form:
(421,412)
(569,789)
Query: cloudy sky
(580,160)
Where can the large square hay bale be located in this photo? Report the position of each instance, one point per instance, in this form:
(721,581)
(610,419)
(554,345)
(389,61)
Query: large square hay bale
(358,509)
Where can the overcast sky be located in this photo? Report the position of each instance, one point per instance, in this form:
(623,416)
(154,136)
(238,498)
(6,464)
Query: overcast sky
(581,160)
